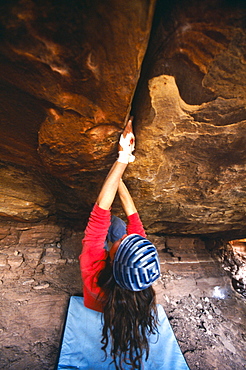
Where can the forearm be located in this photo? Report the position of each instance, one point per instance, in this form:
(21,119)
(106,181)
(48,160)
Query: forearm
(110,186)
(126,199)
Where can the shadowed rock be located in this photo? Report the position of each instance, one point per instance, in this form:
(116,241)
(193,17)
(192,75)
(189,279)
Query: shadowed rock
(71,72)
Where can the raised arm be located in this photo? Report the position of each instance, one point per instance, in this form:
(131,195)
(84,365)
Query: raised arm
(126,199)
(111,183)
(110,186)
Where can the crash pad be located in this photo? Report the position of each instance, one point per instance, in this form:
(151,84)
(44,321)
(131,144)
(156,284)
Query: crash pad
(81,346)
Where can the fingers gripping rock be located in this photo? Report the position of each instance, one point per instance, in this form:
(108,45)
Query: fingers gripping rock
(127,143)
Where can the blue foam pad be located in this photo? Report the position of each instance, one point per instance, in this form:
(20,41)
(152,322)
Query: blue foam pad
(81,346)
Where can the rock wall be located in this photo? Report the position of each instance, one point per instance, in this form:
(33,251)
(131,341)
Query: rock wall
(190,109)
(39,271)
(71,73)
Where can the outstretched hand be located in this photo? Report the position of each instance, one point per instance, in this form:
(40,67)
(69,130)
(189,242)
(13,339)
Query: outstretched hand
(128,127)
(127,143)
(112,181)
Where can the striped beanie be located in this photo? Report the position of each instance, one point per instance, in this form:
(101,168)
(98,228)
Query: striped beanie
(136,263)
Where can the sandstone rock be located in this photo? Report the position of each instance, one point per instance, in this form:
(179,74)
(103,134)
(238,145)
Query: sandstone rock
(39,235)
(74,85)
(9,240)
(191,172)
(3,259)
(21,115)
(190,127)
(87,70)
(4,231)
(69,75)
(97,43)
(23,195)
(39,269)
(53,256)
(15,261)
(33,256)
(34,253)
(67,141)
(28,282)
(41,286)
(10,275)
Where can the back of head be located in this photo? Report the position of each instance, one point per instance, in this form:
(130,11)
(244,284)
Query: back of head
(129,318)
(136,264)
(130,312)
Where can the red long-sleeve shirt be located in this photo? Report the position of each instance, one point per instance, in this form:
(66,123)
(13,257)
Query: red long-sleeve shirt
(93,252)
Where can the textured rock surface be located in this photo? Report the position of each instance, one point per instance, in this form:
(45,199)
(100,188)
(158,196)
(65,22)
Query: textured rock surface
(36,275)
(83,59)
(39,271)
(191,122)
(192,173)
(69,73)
(23,195)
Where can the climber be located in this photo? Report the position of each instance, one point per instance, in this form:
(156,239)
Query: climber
(113,282)
(117,323)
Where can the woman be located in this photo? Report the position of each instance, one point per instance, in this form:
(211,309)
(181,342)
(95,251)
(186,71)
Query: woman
(119,282)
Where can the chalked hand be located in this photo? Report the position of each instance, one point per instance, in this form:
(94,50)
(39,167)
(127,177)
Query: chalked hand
(127,144)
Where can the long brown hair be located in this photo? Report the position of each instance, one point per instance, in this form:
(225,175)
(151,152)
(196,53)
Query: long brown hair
(129,318)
